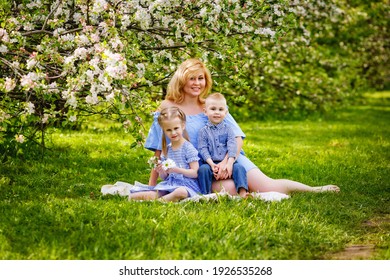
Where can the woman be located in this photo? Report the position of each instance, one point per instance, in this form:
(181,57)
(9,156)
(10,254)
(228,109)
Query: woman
(187,90)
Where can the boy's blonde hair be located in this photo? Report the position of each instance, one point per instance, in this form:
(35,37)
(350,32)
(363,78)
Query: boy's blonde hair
(184,72)
(216,96)
(169,114)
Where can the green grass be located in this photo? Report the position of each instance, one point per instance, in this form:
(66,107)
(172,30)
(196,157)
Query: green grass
(52,207)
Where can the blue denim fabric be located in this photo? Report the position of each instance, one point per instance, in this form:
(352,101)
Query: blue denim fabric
(206,176)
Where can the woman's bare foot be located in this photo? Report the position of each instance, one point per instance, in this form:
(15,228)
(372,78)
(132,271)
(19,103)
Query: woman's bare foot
(328,188)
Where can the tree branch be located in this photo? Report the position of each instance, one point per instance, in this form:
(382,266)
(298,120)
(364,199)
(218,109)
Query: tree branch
(49,15)
(175,46)
(36,32)
(9,64)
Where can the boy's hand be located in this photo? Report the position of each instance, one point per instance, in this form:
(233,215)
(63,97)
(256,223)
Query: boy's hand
(222,171)
(215,169)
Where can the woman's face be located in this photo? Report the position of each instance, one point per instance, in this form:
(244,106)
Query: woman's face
(195,84)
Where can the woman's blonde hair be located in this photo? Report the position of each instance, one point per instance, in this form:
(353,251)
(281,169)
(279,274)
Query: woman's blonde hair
(169,114)
(184,72)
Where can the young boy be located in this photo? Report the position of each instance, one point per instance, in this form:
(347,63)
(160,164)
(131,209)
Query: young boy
(217,141)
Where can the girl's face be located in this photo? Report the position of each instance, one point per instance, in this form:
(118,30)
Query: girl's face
(195,84)
(173,129)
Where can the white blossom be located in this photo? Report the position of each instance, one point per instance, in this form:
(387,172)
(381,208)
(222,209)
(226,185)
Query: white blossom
(82,40)
(3,49)
(19,138)
(115,64)
(143,17)
(45,118)
(31,63)
(4,35)
(67,38)
(141,69)
(168,163)
(95,37)
(4,116)
(93,100)
(29,81)
(81,53)
(30,108)
(9,84)
(110,96)
(28,26)
(99,6)
(72,118)
(70,99)
(265,31)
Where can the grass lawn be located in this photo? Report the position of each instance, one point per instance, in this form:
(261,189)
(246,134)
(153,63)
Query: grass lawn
(52,207)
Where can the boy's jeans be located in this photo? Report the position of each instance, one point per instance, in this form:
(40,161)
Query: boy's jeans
(206,176)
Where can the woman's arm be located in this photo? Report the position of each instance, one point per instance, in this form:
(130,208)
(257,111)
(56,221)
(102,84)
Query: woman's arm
(240,143)
(154,174)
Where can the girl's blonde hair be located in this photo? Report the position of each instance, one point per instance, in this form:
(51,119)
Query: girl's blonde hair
(169,114)
(184,72)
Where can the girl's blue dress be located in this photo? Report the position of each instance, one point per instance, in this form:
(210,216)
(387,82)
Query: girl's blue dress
(193,124)
(182,158)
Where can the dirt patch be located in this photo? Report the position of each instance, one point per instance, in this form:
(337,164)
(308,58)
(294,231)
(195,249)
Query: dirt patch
(355,252)
(380,223)
(364,251)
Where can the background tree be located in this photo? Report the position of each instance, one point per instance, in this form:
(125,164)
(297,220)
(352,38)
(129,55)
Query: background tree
(62,61)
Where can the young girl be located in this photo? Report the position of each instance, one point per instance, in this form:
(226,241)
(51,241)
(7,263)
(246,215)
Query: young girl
(180,168)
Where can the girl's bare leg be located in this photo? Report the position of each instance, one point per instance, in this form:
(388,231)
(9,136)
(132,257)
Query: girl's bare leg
(176,195)
(259,182)
(147,195)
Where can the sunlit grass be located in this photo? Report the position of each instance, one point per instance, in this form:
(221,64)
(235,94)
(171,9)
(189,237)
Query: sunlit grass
(52,207)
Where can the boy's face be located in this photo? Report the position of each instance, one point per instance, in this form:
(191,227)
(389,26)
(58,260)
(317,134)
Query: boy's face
(216,110)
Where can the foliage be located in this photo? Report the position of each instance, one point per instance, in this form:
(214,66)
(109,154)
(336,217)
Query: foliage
(67,59)
(328,57)
(62,61)
(52,208)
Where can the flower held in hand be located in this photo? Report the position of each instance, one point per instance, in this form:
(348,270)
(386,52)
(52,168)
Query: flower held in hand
(168,164)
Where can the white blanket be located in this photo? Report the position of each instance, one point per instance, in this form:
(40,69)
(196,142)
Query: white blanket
(266,196)
(123,189)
